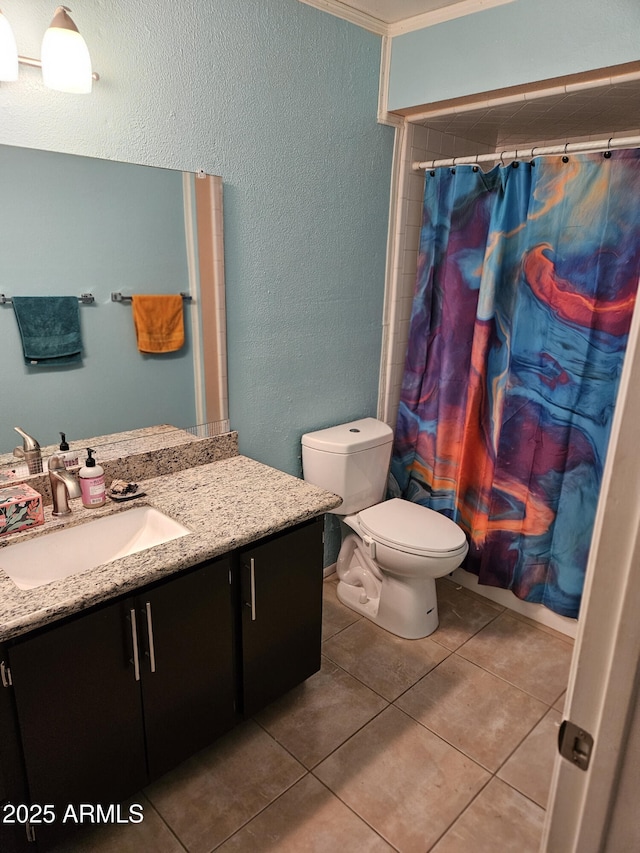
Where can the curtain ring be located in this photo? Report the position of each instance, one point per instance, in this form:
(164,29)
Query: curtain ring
(453,166)
(502,153)
(476,168)
(565,159)
(532,155)
(607,153)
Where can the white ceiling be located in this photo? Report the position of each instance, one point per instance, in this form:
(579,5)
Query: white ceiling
(392,17)
(392,11)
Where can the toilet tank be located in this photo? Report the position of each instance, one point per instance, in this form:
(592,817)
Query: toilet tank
(350,460)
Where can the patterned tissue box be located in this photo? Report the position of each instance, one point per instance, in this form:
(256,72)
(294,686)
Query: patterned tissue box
(20,509)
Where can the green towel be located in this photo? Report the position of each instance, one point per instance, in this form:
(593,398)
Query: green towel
(49,328)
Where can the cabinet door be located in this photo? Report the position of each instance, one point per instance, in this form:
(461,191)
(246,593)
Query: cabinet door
(188,686)
(79,710)
(281,598)
(13,784)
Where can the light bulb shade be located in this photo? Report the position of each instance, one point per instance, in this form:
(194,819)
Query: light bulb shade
(66,64)
(8,51)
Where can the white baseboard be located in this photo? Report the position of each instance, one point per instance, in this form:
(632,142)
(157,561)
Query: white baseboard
(329,570)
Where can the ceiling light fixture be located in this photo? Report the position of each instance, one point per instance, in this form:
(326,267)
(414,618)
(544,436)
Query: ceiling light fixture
(8,51)
(65,63)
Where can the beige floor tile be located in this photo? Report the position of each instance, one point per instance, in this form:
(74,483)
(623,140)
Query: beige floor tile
(385,663)
(209,797)
(403,780)
(151,834)
(473,710)
(530,659)
(559,705)
(530,767)
(335,616)
(315,718)
(461,614)
(308,817)
(500,820)
(546,628)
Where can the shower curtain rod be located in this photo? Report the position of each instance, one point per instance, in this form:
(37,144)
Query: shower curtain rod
(531,151)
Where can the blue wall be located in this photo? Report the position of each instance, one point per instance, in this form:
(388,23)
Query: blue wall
(70,225)
(515,44)
(279,99)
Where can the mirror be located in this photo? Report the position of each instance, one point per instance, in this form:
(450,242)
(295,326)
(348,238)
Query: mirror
(73,225)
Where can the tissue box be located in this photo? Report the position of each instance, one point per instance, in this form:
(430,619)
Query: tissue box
(20,509)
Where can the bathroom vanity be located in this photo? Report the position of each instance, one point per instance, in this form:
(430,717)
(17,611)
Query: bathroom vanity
(113,676)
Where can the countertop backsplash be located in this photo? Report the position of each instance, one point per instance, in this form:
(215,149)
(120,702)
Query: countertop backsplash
(132,456)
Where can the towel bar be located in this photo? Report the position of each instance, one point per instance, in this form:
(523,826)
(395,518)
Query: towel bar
(118,297)
(84,299)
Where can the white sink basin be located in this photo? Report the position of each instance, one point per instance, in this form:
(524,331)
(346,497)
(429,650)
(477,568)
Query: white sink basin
(56,555)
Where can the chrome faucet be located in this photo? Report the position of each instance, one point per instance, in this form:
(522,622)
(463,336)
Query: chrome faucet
(30,452)
(63,486)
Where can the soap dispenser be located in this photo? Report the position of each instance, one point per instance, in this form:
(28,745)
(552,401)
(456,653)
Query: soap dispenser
(91,478)
(69,457)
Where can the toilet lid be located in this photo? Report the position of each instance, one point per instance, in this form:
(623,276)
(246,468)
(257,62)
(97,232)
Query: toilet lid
(411,527)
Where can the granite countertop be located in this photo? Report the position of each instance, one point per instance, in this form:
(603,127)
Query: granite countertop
(227,504)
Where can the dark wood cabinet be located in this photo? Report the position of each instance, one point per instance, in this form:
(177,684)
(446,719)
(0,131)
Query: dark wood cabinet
(13,784)
(189,700)
(112,699)
(100,704)
(281,614)
(79,708)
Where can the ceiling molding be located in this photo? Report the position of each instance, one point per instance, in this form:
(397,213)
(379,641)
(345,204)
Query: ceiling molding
(417,22)
(340,10)
(439,16)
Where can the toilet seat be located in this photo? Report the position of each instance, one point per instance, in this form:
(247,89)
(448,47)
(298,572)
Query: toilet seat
(412,528)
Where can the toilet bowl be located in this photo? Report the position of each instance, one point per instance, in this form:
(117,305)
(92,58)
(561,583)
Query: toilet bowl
(387,567)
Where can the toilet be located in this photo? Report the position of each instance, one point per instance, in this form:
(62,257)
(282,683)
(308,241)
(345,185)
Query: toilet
(387,567)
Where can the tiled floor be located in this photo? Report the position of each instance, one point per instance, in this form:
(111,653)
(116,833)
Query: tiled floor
(444,744)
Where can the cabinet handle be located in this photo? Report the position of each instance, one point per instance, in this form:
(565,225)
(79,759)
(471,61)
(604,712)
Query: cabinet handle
(5,675)
(253,589)
(134,642)
(152,650)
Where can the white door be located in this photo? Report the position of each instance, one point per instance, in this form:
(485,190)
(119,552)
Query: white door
(585,813)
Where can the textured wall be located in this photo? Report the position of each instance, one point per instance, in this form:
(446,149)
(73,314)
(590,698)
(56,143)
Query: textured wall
(521,42)
(280,99)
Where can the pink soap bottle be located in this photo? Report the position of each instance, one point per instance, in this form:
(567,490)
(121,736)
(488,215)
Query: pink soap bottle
(91,477)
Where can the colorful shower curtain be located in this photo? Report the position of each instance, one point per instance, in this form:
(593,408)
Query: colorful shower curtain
(526,284)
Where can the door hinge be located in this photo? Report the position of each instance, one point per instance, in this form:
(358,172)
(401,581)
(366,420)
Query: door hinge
(5,675)
(575,744)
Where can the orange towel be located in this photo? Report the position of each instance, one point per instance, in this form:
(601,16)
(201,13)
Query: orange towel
(159,322)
